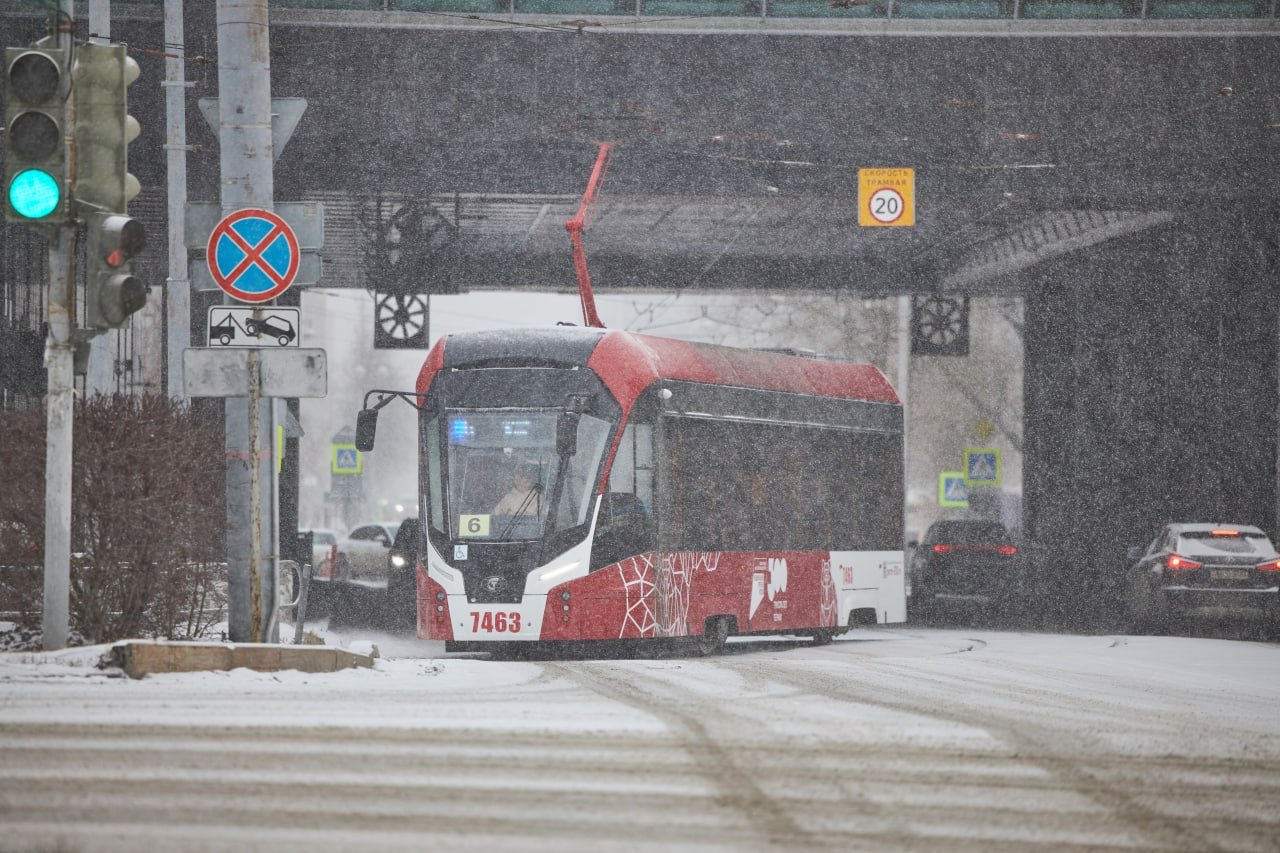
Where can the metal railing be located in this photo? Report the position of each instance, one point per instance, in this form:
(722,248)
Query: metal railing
(297,587)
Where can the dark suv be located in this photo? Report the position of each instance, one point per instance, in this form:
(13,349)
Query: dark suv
(969,564)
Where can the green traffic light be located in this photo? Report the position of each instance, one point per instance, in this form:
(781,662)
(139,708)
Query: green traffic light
(34,194)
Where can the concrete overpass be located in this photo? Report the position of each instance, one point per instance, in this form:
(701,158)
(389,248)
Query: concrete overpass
(1120,175)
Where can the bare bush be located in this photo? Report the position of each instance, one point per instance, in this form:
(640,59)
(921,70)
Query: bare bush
(147,518)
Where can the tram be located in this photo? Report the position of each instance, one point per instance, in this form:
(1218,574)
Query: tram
(586,484)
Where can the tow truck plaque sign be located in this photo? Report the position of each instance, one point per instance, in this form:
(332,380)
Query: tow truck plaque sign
(253,255)
(242,326)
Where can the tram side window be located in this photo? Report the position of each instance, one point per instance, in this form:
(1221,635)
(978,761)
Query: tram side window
(725,491)
(868,497)
(747,486)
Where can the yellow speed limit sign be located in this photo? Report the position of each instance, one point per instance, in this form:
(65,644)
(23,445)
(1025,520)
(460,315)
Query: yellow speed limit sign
(886,197)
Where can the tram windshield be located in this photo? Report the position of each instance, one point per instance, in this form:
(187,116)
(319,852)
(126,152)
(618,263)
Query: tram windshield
(496,475)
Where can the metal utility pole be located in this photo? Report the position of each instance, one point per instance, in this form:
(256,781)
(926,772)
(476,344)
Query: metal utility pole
(245,140)
(59,359)
(178,286)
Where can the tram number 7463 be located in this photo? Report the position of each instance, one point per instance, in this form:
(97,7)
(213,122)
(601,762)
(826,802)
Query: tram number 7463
(495,623)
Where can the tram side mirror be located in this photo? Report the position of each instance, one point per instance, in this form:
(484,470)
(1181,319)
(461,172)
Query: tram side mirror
(366,429)
(566,434)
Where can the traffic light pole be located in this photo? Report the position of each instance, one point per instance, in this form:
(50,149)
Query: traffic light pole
(59,355)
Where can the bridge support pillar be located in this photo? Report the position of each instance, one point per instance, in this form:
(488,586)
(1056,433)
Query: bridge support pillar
(1151,391)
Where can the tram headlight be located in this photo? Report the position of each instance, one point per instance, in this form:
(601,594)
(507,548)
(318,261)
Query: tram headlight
(559,570)
(398,561)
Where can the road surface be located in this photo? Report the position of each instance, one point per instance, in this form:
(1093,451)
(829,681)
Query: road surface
(894,738)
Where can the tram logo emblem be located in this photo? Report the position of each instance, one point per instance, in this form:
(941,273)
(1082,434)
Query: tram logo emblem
(492,584)
(769,579)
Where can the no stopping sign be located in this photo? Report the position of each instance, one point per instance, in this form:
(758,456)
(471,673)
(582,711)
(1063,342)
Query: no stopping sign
(253,255)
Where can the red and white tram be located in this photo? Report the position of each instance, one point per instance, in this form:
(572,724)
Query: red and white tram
(588,484)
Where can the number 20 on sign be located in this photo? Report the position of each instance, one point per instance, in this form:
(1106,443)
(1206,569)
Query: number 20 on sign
(886,197)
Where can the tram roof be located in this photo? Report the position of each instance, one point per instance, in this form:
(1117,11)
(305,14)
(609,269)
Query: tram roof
(628,362)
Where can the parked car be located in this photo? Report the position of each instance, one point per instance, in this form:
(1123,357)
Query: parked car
(362,556)
(966,564)
(1203,570)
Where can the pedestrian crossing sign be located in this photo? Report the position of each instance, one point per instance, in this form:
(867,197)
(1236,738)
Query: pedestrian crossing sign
(346,459)
(982,466)
(951,489)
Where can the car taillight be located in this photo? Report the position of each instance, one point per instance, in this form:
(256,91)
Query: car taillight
(1273,566)
(941,549)
(1178,563)
(1008,550)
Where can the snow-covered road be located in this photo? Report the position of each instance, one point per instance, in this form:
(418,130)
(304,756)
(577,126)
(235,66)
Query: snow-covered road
(893,738)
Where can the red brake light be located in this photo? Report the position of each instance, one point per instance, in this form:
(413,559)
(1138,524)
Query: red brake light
(1226,532)
(941,549)
(1178,563)
(1273,566)
(1007,550)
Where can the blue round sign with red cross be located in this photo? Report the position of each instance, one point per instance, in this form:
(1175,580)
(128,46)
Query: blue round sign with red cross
(253,255)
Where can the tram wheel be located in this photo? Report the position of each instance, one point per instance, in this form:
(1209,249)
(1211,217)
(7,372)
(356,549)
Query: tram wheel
(714,635)
(823,637)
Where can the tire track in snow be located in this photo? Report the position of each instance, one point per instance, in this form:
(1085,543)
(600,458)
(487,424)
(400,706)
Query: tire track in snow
(771,820)
(1029,740)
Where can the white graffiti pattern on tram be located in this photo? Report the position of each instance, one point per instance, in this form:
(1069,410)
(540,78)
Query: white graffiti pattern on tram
(665,614)
(676,586)
(637,581)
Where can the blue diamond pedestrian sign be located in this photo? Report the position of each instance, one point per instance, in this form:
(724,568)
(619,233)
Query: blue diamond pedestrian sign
(346,459)
(982,466)
(951,489)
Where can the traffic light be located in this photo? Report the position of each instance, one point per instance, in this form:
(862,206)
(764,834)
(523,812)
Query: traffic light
(112,291)
(104,128)
(35,158)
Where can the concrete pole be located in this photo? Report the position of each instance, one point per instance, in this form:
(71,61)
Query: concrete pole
(244,136)
(178,286)
(904,382)
(59,360)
